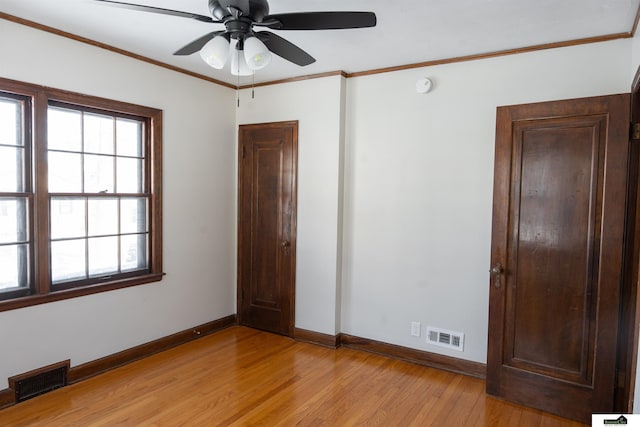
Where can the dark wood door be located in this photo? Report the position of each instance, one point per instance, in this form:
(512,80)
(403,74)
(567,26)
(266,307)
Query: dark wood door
(557,250)
(267,226)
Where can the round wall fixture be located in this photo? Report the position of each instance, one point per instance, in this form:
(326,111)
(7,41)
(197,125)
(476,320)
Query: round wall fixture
(424,85)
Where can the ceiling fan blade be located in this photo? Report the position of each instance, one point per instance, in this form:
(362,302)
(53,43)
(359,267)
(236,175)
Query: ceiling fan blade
(158,10)
(197,44)
(285,49)
(319,20)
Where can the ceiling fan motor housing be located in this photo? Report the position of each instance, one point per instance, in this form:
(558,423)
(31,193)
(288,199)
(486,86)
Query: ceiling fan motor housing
(255,10)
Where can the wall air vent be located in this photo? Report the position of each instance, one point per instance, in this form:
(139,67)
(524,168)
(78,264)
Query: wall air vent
(40,381)
(444,338)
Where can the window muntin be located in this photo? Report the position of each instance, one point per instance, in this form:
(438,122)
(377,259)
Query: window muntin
(80,195)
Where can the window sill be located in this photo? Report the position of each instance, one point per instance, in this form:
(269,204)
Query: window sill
(31,300)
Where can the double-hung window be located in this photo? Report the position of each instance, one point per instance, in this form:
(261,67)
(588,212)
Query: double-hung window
(16,196)
(80,195)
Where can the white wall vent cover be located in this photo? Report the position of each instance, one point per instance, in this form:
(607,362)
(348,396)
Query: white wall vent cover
(444,338)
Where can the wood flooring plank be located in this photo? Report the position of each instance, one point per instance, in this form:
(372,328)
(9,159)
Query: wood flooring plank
(240,376)
(315,364)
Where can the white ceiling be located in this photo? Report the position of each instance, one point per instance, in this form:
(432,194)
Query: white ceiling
(408,31)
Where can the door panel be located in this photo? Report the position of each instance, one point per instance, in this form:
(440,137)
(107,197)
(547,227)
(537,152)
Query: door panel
(558,230)
(555,223)
(266,235)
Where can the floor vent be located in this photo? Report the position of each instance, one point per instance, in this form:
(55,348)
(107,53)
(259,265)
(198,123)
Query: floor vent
(444,338)
(40,381)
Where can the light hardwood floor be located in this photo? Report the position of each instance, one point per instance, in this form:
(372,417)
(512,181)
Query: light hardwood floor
(244,377)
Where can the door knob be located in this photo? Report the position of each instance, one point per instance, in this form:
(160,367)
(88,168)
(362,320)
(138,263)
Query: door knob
(496,271)
(285,246)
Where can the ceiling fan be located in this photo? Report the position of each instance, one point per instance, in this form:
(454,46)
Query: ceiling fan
(249,49)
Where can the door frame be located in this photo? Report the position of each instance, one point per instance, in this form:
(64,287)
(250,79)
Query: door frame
(630,298)
(294,218)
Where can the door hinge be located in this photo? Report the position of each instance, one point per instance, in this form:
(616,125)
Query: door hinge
(635,130)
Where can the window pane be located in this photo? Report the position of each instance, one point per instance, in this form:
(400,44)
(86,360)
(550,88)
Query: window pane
(103,255)
(98,134)
(67,218)
(133,252)
(13,266)
(68,260)
(98,174)
(103,217)
(65,172)
(64,129)
(129,138)
(11,169)
(10,126)
(133,215)
(129,175)
(13,220)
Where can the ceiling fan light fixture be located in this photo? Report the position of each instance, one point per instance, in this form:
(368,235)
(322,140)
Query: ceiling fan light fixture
(239,66)
(256,53)
(216,52)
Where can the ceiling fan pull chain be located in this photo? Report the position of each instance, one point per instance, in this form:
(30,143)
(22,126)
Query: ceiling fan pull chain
(238,84)
(253,86)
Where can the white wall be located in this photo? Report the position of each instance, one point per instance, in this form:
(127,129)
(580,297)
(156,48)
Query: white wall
(199,207)
(419,178)
(635,56)
(316,104)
